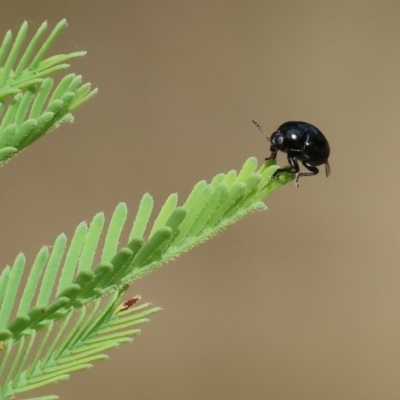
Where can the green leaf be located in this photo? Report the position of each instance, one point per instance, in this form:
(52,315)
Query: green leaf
(142,217)
(166,210)
(67,286)
(117,223)
(34,108)
(11,290)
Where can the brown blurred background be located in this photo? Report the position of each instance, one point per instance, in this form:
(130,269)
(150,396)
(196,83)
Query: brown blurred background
(299,302)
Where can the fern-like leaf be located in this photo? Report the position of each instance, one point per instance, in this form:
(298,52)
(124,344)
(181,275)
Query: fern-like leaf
(75,345)
(66,278)
(30,102)
(65,283)
(32,66)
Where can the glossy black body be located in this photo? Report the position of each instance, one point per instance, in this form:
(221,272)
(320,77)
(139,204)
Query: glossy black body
(303,143)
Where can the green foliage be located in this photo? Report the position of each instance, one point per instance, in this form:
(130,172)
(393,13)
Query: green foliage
(31,104)
(66,281)
(82,338)
(61,314)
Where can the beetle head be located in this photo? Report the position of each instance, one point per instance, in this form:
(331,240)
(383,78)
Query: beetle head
(277,141)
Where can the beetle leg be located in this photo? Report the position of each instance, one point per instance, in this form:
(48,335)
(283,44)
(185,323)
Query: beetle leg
(293,168)
(273,155)
(314,171)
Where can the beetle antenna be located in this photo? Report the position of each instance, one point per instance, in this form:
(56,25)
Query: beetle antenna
(260,128)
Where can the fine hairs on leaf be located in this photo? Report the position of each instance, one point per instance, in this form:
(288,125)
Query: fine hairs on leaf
(63,311)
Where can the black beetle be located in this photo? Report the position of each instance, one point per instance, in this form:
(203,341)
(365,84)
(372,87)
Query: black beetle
(302,142)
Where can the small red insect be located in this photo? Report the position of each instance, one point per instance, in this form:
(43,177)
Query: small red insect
(126,305)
